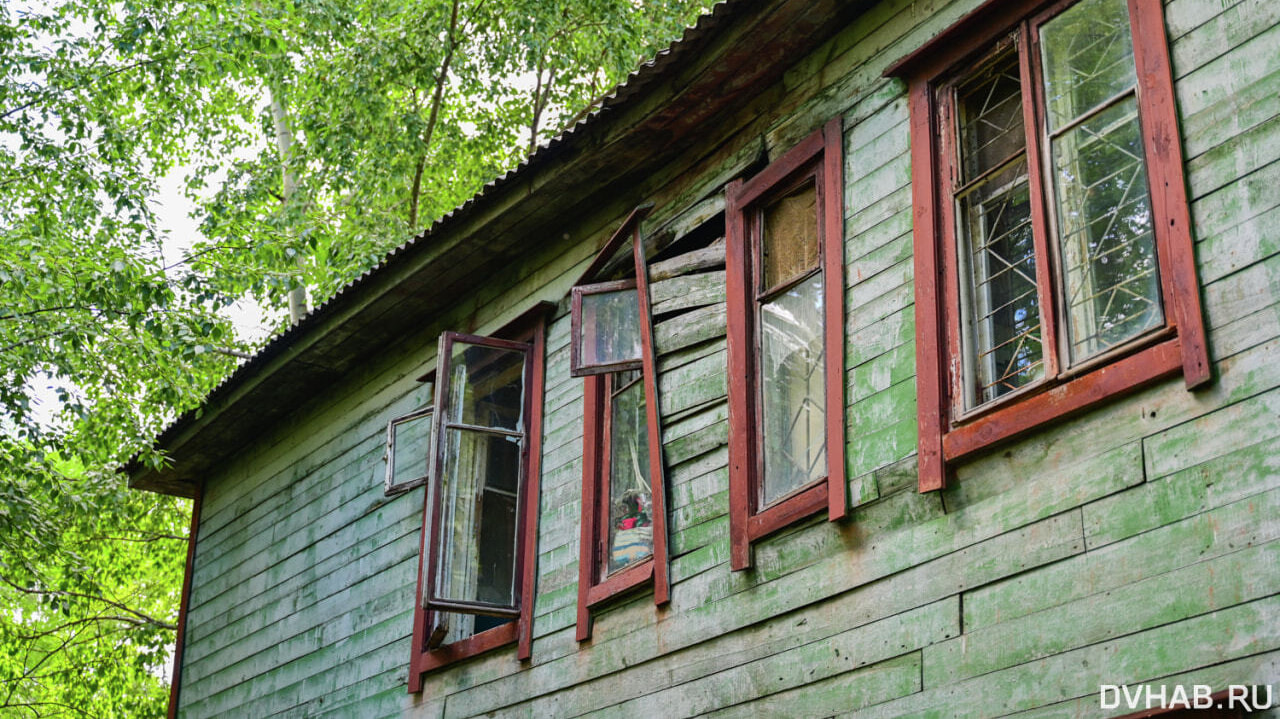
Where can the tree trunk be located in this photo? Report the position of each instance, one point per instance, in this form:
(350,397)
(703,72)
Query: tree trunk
(289,186)
(437,99)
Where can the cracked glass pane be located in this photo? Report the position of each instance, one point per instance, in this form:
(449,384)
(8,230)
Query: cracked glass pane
(793,396)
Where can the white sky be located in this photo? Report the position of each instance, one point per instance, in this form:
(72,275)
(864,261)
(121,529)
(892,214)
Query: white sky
(173,211)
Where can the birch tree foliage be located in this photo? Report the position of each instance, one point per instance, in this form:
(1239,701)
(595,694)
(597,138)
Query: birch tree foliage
(314,136)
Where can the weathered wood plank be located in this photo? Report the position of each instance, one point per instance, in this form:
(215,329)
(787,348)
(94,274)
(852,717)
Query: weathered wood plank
(337,618)
(215,627)
(1237,425)
(693,387)
(1218,34)
(700,260)
(1227,74)
(698,488)
(1246,333)
(778,662)
(689,329)
(876,338)
(672,360)
(1256,670)
(1242,473)
(1234,157)
(1238,248)
(700,442)
(843,692)
(880,373)
(687,292)
(1223,582)
(1225,635)
(1117,564)
(702,620)
(1242,293)
(1253,103)
(287,665)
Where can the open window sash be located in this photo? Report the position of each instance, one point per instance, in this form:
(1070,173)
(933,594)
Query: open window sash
(622,449)
(477,516)
(606,329)
(408,441)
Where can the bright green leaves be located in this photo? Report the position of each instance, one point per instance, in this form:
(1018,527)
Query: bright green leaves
(396,112)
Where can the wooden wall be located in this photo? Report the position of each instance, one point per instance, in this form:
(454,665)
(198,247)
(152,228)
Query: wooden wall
(1136,543)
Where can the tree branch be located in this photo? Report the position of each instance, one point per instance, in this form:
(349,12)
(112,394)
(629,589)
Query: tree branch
(77,595)
(437,99)
(131,66)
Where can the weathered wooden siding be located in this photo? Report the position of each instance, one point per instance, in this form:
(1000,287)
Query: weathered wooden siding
(1136,543)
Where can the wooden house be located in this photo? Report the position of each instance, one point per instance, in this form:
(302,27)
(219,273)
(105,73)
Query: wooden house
(887,358)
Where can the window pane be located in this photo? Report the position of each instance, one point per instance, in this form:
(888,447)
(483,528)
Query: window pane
(1105,227)
(790,236)
(1000,306)
(486,387)
(610,328)
(409,441)
(630,497)
(478,518)
(792,390)
(990,116)
(1088,58)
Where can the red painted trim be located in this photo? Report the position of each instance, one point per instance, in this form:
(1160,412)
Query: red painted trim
(625,580)
(1037,177)
(930,393)
(469,647)
(180,641)
(1102,384)
(657,471)
(420,615)
(1163,145)
(739,301)
(832,184)
(781,170)
(592,443)
(949,326)
(593,590)
(533,474)
(798,506)
(819,158)
(623,233)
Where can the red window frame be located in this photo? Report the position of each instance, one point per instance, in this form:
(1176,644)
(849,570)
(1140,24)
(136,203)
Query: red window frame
(595,589)
(819,157)
(527,330)
(1179,348)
